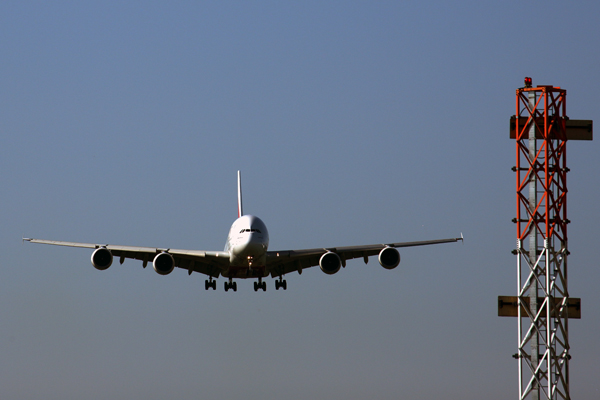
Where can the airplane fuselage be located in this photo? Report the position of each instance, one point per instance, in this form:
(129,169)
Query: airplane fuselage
(247,245)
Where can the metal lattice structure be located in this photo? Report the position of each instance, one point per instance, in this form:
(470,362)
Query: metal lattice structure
(542,242)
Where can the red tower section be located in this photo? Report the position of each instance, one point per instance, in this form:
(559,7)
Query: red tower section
(547,165)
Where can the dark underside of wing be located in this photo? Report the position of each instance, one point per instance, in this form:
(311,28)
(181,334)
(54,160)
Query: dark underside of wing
(210,263)
(202,262)
(284,262)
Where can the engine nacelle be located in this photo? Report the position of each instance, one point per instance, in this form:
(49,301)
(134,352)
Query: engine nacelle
(330,263)
(389,258)
(102,258)
(163,263)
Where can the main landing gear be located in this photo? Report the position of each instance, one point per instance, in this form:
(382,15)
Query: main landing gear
(210,284)
(260,285)
(281,283)
(231,285)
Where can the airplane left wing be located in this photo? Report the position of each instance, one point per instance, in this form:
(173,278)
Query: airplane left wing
(205,262)
(283,262)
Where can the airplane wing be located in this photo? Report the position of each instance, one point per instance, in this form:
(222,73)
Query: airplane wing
(283,262)
(206,262)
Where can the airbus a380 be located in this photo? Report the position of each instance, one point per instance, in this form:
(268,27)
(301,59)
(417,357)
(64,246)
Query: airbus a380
(245,255)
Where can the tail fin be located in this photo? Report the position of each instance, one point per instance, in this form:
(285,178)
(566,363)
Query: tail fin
(240,211)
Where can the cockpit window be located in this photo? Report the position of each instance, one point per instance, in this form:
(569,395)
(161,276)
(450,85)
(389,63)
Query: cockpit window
(250,230)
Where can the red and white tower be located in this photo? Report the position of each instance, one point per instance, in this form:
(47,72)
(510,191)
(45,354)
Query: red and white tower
(543,306)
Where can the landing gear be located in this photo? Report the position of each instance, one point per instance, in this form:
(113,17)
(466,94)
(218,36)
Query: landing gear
(210,284)
(231,285)
(281,283)
(260,285)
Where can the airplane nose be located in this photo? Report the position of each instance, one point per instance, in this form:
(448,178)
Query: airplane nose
(253,245)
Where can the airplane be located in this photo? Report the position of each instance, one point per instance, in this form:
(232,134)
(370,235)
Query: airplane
(246,255)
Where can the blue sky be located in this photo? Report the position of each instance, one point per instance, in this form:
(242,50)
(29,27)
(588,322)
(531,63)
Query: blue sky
(352,122)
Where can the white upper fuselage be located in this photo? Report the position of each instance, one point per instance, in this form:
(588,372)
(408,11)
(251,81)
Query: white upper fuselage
(247,245)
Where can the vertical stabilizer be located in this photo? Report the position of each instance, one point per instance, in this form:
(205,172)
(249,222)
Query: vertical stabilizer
(240,211)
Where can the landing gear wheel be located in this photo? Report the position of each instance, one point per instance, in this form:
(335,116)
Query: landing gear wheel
(281,283)
(230,285)
(260,285)
(210,285)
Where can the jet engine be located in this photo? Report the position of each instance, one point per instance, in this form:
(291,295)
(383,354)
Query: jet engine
(330,263)
(102,258)
(389,258)
(163,263)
